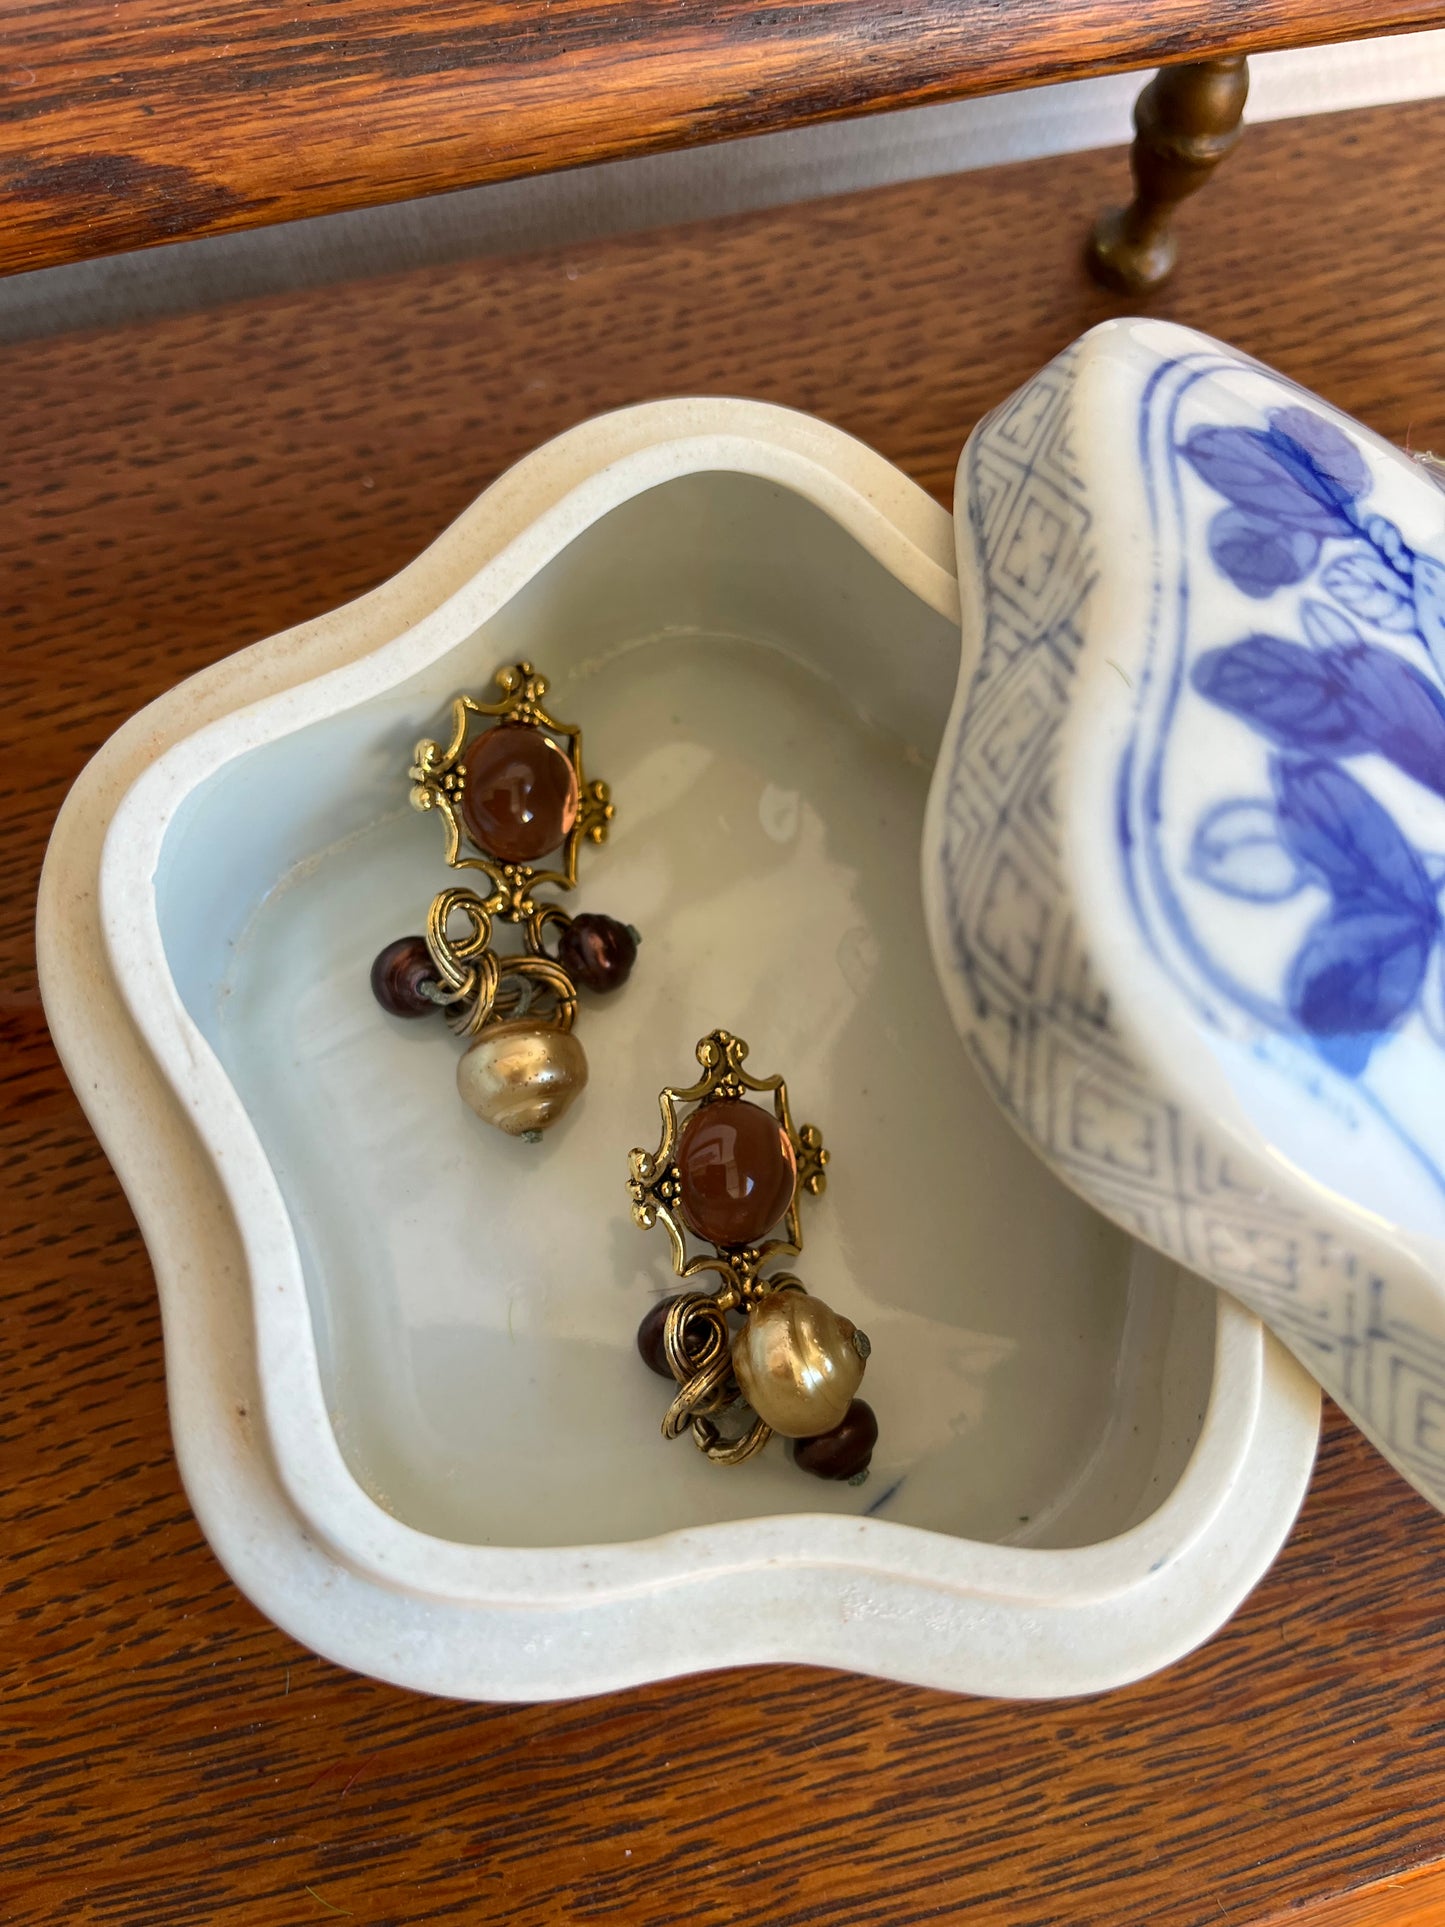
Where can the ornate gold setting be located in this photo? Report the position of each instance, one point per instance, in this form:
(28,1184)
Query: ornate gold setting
(653,1185)
(696,1338)
(438,780)
(480,986)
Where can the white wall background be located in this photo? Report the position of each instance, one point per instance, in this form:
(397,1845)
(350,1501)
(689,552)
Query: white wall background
(557,209)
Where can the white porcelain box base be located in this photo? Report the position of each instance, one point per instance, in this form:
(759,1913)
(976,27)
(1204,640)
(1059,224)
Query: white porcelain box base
(404,1390)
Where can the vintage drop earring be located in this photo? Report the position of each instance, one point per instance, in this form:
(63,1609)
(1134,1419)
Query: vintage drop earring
(513,791)
(730,1171)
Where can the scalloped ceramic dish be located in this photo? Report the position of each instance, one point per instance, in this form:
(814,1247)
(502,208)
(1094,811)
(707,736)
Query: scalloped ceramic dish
(404,1388)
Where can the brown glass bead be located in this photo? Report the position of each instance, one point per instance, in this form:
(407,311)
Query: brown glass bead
(519,794)
(597,952)
(736,1171)
(845,1451)
(649,1338)
(398,975)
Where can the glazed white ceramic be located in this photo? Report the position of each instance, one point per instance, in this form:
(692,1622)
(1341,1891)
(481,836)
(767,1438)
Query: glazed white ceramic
(1187,840)
(405,1394)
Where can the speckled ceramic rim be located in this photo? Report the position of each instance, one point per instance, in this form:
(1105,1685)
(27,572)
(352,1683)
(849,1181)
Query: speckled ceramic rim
(331,1565)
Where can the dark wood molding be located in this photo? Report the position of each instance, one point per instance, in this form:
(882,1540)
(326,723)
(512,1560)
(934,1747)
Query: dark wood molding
(124,123)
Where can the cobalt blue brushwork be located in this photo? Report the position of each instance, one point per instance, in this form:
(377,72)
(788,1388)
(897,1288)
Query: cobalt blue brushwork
(1295,514)
(1191,841)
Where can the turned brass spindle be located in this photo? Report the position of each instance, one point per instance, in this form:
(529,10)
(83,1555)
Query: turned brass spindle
(1185,122)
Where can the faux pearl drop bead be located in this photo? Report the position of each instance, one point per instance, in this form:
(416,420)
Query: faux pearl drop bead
(522,1076)
(798,1364)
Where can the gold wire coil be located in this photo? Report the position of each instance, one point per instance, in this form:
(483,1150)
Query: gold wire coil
(697,1345)
(499,995)
(451,955)
(483,988)
(544,914)
(723,1451)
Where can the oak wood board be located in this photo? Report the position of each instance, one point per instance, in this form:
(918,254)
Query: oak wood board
(174,489)
(124,123)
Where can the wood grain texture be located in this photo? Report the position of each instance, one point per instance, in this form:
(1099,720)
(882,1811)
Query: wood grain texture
(1415,1899)
(175,489)
(128,122)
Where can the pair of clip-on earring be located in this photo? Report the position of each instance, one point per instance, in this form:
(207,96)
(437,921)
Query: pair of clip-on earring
(757,1353)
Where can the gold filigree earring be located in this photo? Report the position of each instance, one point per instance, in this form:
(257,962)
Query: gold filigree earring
(512,792)
(758,1354)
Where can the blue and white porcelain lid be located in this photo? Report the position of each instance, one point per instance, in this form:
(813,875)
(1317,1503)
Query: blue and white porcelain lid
(1186,844)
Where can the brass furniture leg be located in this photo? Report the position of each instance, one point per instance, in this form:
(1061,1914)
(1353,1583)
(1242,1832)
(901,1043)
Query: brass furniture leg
(1185,122)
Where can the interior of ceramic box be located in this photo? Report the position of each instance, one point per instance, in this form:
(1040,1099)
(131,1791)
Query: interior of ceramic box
(765,701)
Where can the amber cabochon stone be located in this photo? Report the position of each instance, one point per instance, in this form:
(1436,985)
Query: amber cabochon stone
(736,1170)
(519,799)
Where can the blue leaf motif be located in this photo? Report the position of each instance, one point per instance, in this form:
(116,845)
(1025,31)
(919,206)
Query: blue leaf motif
(1358,972)
(1335,828)
(1327,448)
(1369,588)
(1432,995)
(1237,849)
(1369,960)
(1295,695)
(1400,712)
(1325,627)
(1269,475)
(1362,965)
(1346,700)
(1258,554)
(1430,608)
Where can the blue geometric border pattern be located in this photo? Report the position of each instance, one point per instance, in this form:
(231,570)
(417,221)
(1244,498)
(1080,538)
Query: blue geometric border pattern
(1037,1020)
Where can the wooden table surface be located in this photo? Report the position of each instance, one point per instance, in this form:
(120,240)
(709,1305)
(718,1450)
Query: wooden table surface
(175,489)
(127,122)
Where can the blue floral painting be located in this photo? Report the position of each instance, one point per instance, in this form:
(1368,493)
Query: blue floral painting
(1212,648)
(1356,671)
